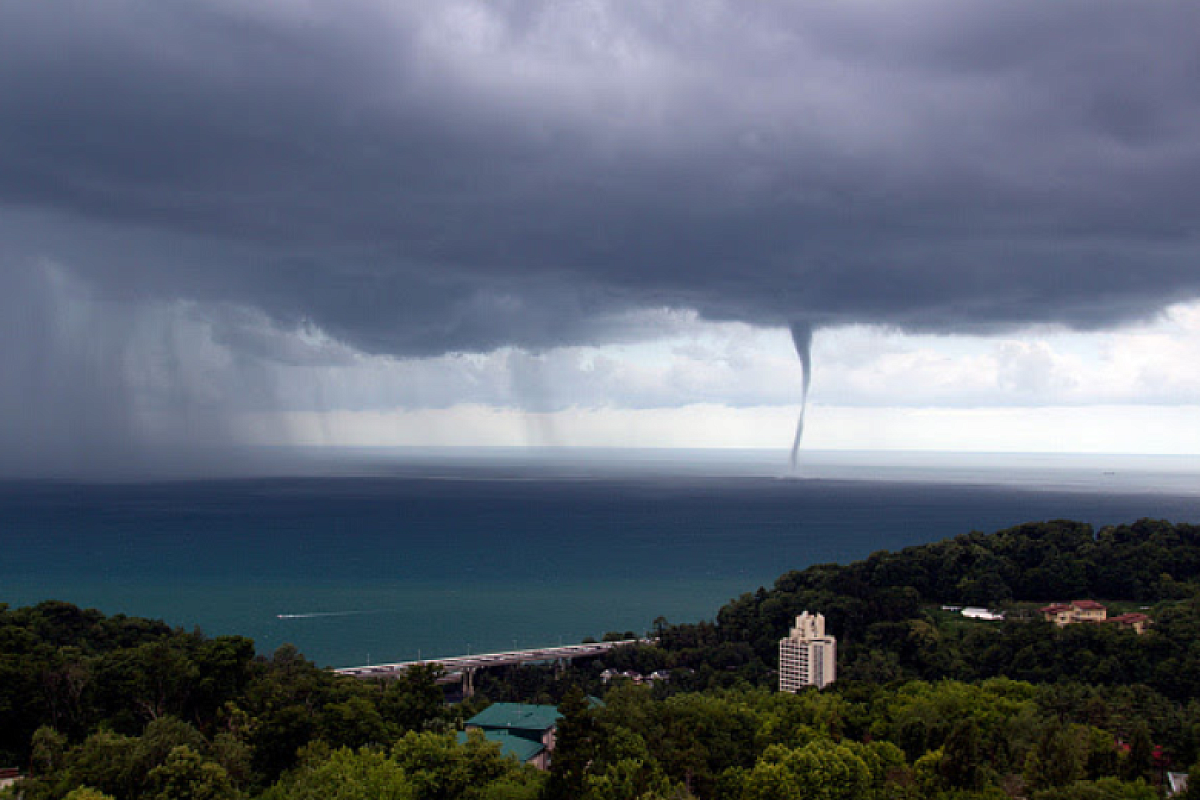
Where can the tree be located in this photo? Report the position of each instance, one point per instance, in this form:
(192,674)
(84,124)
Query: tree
(821,770)
(354,723)
(961,767)
(161,676)
(87,793)
(161,738)
(623,768)
(1140,758)
(414,698)
(1059,758)
(626,779)
(49,749)
(107,761)
(234,755)
(224,666)
(575,747)
(1103,789)
(187,776)
(346,775)
(771,781)
(276,738)
(439,768)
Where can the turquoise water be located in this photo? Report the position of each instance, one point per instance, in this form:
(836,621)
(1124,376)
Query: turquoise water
(451,557)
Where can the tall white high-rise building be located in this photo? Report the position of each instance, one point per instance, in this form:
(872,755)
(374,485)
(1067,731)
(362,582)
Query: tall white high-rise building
(807,657)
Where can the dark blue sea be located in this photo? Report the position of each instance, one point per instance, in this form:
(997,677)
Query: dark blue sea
(400,557)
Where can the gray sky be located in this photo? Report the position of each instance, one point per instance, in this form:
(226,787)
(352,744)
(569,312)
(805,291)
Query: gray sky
(202,200)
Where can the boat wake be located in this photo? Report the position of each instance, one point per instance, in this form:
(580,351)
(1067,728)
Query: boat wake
(311,615)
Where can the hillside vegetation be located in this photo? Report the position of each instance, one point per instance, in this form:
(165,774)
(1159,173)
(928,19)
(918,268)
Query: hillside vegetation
(927,705)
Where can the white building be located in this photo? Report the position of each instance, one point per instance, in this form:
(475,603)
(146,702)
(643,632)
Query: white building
(807,657)
(970,612)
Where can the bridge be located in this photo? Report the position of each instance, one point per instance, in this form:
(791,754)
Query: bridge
(461,669)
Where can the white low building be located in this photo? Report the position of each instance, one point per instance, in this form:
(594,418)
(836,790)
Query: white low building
(970,612)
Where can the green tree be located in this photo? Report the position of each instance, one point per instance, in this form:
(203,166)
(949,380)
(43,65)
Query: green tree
(962,766)
(821,770)
(161,738)
(1103,789)
(627,779)
(277,736)
(1059,758)
(49,750)
(927,773)
(107,761)
(345,775)
(187,776)
(354,723)
(771,781)
(157,678)
(575,747)
(413,700)
(234,756)
(87,793)
(1140,758)
(439,768)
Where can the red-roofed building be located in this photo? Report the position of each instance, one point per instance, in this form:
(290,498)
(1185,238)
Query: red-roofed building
(1091,611)
(9,776)
(1139,622)
(1088,605)
(1075,611)
(1058,613)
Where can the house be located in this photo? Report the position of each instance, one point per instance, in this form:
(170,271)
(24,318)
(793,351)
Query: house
(524,731)
(636,677)
(1075,611)
(1177,783)
(612,674)
(9,776)
(522,749)
(1058,613)
(1135,620)
(1088,611)
(1091,611)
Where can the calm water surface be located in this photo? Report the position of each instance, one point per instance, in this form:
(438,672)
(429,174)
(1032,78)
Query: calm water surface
(443,556)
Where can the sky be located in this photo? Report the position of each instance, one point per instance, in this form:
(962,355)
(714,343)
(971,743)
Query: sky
(592,223)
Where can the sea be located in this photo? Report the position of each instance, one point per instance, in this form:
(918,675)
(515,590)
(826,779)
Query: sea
(377,556)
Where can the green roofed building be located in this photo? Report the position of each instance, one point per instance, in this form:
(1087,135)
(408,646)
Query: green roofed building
(507,723)
(524,750)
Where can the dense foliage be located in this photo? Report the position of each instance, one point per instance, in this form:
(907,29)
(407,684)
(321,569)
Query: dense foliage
(879,609)
(927,705)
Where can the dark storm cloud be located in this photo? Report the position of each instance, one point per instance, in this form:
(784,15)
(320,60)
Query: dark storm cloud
(422,178)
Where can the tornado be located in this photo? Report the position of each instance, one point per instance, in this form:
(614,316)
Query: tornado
(802,335)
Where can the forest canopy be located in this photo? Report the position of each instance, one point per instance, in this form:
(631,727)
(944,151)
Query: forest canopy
(927,705)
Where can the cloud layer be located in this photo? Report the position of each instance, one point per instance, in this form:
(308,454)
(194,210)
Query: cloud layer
(417,179)
(202,200)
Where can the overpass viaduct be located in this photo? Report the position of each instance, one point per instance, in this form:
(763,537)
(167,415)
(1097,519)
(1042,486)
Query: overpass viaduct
(461,669)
